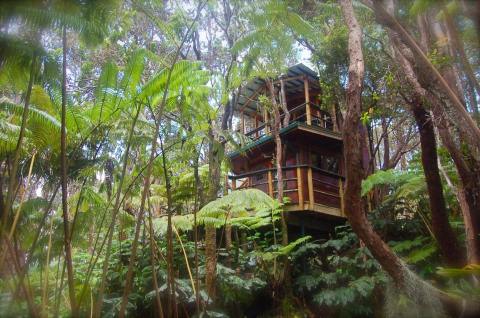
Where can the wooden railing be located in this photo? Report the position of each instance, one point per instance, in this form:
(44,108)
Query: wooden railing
(305,185)
(307,113)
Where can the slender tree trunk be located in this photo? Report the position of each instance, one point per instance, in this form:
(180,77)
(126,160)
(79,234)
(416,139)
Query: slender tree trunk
(24,271)
(116,209)
(421,94)
(158,301)
(58,291)
(172,304)
(210,231)
(283,104)
(284,282)
(146,186)
(64,176)
(386,145)
(464,122)
(458,47)
(228,237)
(441,228)
(279,156)
(354,210)
(198,203)
(24,286)
(10,198)
(468,188)
(44,307)
(215,151)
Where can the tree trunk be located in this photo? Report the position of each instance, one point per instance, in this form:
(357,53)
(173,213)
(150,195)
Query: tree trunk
(210,230)
(198,203)
(116,209)
(463,119)
(468,188)
(279,156)
(172,304)
(148,174)
(446,238)
(10,198)
(459,49)
(228,239)
(64,175)
(466,176)
(283,104)
(210,259)
(353,153)
(386,145)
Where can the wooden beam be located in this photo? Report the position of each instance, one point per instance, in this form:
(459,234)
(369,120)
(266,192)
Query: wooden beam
(234,184)
(300,188)
(252,97)
(311,198)
(318,207)
(307,100)
(270,183)
(291,78)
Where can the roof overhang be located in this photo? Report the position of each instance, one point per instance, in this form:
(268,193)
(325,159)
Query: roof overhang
(294,83)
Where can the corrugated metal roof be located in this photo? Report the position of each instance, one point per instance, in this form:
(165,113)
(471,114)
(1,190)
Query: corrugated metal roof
(251,90)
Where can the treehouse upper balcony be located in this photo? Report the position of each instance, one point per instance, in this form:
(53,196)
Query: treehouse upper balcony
(299,90)
(312,160)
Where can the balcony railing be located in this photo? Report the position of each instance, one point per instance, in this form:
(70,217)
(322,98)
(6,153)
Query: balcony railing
(318,118)
(304,185)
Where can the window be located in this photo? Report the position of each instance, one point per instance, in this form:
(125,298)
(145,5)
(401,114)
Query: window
(325,162)
(330,164)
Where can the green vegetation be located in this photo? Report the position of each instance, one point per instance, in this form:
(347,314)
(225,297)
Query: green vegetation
(116,121)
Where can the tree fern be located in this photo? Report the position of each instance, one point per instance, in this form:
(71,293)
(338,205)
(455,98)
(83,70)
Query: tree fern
(88,18)
(406,183)
(41,126)
(104,98)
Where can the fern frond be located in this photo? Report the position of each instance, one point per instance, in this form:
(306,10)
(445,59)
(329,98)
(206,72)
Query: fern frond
(132,74)
(43,127)
(104,99)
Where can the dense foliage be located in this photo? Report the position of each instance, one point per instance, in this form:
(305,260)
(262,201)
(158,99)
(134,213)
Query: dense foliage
(116,118)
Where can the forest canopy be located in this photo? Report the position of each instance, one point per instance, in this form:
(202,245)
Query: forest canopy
(236,158)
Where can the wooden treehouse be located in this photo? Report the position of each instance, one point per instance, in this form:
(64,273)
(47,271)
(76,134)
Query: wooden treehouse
(312,150)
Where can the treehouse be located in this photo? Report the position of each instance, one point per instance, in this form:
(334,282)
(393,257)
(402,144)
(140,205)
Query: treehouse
(312,165)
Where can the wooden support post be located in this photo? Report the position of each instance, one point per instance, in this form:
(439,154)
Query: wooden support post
(270,183)
(234,184)
(256,126)
(311,198)
(307,101)
(300,188)
(340,190)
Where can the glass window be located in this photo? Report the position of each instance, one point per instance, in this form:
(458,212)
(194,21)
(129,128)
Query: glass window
(325,162)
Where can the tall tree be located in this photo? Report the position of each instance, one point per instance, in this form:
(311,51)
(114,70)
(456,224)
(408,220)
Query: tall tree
(64,176)
(427,94)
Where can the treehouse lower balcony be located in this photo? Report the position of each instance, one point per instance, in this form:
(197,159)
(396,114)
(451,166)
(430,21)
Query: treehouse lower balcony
(307,187)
